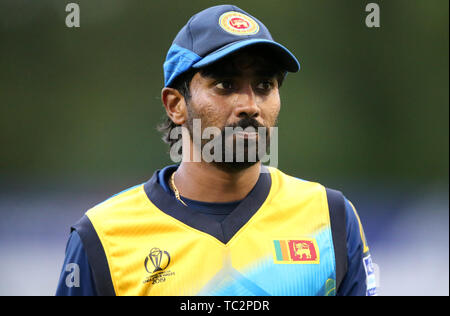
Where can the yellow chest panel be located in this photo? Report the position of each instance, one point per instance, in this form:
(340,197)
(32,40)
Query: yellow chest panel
(284,249)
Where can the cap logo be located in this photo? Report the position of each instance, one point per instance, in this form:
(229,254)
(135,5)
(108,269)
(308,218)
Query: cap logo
(237,23)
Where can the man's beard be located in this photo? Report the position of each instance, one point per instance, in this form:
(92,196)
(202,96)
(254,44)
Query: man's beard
(236,155)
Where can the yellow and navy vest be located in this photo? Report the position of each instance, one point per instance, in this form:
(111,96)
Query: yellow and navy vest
(287,237)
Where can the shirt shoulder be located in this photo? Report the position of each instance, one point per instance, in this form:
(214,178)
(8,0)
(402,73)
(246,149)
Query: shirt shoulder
(360,277)
(120,200)
(76,275)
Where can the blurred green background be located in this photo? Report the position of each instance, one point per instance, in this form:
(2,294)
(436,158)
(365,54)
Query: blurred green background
(80,106)
(367,103)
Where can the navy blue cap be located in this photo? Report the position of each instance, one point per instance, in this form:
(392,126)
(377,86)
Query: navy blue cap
(216,32)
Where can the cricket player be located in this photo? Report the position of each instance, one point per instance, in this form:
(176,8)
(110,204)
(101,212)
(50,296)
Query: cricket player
(223,223)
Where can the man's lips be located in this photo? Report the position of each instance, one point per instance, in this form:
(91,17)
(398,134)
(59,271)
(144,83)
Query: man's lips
(246,135)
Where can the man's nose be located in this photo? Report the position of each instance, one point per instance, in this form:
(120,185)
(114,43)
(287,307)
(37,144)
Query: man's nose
(246,103)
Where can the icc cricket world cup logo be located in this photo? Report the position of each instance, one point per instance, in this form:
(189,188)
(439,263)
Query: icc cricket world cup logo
(159,259)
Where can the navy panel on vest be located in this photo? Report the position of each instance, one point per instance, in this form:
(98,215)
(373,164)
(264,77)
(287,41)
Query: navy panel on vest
(223,231)
(336,204)
(96,256)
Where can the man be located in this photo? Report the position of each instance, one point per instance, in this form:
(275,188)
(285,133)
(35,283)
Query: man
(227,225)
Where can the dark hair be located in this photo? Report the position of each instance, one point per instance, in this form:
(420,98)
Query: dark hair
(182,84)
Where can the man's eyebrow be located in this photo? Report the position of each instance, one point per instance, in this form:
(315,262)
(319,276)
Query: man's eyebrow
(229,73)
(219,72)
(267,72)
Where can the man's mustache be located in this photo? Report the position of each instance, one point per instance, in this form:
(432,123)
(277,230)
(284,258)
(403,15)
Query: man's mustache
(245,123)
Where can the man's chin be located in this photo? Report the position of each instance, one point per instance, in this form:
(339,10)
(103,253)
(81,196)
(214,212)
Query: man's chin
(235,166)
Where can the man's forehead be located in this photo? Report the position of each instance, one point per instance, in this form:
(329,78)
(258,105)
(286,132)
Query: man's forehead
(247,61)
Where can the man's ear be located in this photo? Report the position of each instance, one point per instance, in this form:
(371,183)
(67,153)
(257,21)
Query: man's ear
(175,105)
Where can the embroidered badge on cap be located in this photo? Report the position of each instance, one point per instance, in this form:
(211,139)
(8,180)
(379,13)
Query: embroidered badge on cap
(238,24)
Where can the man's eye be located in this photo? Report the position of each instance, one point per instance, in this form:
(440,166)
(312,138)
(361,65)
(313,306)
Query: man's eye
(265,85)
(225,85)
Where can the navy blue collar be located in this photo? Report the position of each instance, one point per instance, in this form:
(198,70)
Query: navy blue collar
(217,211)
(223,231)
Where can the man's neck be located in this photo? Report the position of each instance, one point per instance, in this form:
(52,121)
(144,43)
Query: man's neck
(207,182)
